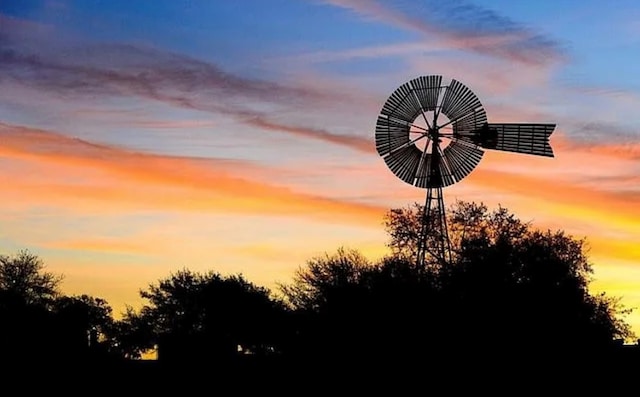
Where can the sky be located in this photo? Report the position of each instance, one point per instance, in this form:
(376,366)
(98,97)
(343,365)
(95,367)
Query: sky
(139,138)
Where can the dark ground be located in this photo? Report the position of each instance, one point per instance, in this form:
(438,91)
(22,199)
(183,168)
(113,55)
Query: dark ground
(588,373)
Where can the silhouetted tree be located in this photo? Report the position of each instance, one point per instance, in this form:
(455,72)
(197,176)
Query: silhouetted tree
(510,289)
(38,322)
(314,285)
(133,335)
(24,282)
(513,284)
(27,293)
(357,312)
(328,296)
(193,314)
(84,325)
(403,226)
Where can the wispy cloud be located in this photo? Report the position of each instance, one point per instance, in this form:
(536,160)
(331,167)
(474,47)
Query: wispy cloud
(355,142)
(121,69)
(462,25)
(604,138)
(177,80)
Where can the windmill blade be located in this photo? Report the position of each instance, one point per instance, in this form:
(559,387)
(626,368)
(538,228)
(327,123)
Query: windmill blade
(446,177)
(465,127)
(449,166)
(460,158)
(459,102)
(433,173)
(404,163)
(424,172)
(520,138)
(402,104)
(390,134)
(427,91)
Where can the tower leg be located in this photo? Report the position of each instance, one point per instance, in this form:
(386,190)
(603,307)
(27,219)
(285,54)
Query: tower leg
(433,241)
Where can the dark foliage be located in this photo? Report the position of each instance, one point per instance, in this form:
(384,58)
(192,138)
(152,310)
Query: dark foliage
(204,316)
(510,291)
(37,322)
(24,282)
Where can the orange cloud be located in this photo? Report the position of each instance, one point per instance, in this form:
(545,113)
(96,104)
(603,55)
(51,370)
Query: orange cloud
(624,150)
(131,179)
(548,190)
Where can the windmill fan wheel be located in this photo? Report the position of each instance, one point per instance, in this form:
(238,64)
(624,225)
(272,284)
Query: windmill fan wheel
(413,113)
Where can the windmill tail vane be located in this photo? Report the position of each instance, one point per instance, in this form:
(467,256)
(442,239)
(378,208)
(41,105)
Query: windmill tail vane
(451,124)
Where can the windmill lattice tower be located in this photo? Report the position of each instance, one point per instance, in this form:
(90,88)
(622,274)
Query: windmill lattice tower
(432,135)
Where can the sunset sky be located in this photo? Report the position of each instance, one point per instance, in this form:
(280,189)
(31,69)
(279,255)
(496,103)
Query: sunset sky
(141,137)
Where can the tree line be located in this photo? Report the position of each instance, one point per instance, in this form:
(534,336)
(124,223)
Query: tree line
(509,290)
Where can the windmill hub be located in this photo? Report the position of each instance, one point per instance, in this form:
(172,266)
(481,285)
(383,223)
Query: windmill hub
(409,137)
(434,133)
(424,130)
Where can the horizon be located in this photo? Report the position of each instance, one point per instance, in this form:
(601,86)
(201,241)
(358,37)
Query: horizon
(138,140)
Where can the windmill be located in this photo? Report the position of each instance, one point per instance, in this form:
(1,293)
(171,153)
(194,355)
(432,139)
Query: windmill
(432,135)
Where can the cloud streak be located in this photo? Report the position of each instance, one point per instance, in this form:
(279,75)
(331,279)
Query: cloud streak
(129,180)
(354,142)
(462,25)
(177,80)
(129,70)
